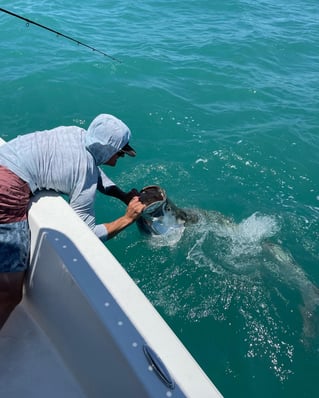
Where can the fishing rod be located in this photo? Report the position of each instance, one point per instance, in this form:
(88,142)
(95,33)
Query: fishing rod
(29,21)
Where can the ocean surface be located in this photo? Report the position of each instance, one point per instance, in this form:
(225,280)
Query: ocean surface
(222,98)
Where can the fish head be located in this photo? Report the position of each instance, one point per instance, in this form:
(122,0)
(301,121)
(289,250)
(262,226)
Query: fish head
(160,215)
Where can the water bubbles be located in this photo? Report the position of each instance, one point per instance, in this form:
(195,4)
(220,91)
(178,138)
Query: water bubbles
(200,160)
(231,275)
(245,239)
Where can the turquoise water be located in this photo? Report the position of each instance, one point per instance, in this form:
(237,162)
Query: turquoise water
(222,100)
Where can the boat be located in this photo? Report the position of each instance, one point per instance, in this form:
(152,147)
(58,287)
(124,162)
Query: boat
(84,329)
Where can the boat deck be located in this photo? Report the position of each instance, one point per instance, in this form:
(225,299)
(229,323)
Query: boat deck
(30,366)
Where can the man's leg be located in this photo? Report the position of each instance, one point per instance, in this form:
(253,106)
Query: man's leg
(11,290)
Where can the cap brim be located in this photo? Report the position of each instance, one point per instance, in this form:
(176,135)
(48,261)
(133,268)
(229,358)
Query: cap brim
(129,150)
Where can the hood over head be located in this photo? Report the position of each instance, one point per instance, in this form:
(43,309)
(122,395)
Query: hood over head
(106,136)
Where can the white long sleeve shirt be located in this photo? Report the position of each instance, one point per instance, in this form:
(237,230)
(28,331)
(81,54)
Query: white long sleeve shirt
(66,160)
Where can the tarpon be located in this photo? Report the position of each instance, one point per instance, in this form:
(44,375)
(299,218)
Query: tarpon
(294,274)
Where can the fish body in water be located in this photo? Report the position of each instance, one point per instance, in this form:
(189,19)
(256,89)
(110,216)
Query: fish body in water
(165,222)
(161,216)
(295,275)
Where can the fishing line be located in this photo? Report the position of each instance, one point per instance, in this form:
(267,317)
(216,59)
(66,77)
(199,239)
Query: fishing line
(29,21)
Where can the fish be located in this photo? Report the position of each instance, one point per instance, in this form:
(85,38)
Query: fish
(294,274)
(161,216)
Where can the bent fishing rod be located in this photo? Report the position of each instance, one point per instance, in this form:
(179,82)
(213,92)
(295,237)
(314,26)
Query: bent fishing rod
(29,21)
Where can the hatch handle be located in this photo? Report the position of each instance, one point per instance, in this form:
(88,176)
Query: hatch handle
(158,367)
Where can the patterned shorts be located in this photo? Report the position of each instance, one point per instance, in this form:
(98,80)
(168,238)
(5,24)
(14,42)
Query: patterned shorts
(14,246)
(14,230)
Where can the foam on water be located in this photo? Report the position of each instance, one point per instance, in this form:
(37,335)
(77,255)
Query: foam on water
(231,244)
(246,237)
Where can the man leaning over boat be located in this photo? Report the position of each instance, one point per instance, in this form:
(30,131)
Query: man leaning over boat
(65,159)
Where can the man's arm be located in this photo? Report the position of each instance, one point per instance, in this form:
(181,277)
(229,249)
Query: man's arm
(107,187)
(116,192)
(133,211)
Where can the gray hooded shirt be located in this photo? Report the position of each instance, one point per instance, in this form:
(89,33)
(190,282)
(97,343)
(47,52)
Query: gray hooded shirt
(66,159)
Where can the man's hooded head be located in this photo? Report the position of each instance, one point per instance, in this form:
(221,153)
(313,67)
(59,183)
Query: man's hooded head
(106,136)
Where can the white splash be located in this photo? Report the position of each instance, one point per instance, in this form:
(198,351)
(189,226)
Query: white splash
(246,237)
